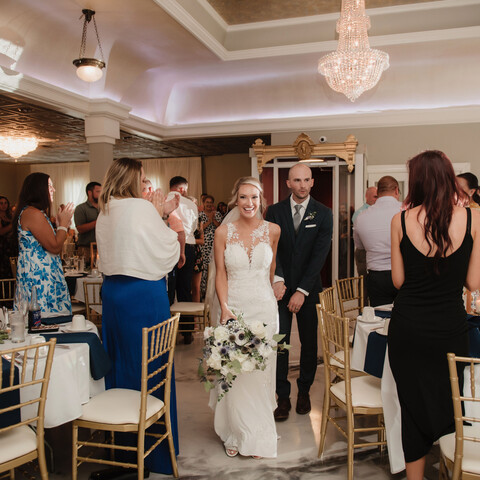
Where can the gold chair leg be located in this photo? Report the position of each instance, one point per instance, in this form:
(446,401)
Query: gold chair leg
(41,457)
(351,441)
(12,474)
(140,452)
(171,446)
(323,428)
(74,450)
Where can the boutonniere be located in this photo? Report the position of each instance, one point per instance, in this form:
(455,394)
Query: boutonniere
(310,216)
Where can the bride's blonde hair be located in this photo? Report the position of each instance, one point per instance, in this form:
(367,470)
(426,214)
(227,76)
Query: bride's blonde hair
(247,181)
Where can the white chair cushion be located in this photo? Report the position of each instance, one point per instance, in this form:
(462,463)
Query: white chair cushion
(187,307)
(341,356)
(17,442)
(471,450)
(118,406)
(365,391)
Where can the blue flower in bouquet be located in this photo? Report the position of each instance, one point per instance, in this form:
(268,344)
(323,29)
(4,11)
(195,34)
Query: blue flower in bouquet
(233,349)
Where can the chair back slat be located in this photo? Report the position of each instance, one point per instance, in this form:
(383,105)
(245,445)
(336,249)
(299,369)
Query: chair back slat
(328,299)
(157,341)
(93,298)
(7,292)
(350,295)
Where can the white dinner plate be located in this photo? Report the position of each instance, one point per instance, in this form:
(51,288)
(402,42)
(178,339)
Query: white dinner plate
(69,329)
(375,320)
(74,275)
(94,276)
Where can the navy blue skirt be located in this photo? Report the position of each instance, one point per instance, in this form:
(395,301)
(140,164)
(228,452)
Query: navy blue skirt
(130,304)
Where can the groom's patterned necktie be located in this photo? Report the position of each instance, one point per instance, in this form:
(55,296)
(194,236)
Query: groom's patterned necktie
(297,218)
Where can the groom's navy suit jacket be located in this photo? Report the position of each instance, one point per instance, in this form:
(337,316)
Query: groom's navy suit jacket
(300,257)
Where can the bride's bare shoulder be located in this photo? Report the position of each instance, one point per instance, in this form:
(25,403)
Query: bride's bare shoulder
(274,229)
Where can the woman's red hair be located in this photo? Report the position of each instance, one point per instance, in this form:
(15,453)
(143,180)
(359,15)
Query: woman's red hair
(433,186)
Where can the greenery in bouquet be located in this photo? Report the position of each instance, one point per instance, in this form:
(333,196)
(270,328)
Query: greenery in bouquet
(233,349)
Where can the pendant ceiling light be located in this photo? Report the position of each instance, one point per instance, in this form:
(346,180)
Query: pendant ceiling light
(17,147)
(89,69)
(354,67)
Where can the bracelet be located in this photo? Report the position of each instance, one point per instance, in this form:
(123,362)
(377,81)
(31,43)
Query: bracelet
(65,229)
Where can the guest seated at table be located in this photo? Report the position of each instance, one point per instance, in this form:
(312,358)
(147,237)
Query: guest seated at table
(136,251)
(435,251)
(39,247)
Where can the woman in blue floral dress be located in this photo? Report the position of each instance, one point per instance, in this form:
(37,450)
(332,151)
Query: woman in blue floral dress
(39,247)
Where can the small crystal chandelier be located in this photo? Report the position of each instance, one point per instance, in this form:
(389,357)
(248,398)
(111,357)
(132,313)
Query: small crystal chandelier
(89,69)
(17,147)
(354,67)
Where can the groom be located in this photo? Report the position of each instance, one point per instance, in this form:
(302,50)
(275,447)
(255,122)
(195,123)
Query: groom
(302,249)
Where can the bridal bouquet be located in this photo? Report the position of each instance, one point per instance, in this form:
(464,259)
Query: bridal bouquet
(232,349)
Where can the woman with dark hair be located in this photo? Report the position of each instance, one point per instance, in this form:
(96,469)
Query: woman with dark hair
(435,252)
(7,248)
(39,246)
(136,251)
(210,220)
(469,184)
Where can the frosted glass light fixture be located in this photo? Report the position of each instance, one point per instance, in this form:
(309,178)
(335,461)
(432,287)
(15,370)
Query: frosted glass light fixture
(17,147)
(89,69)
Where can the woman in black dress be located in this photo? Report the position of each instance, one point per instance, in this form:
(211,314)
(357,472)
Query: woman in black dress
(435,252)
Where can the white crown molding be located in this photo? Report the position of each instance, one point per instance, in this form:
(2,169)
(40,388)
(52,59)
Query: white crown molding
(60,99)
(216,43)
(397,118)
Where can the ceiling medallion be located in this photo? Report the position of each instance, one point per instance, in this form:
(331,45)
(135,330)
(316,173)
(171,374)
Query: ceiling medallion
(89,69)
(354,67)
(17,147)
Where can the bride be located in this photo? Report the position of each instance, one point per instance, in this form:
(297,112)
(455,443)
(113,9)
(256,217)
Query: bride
(245,247)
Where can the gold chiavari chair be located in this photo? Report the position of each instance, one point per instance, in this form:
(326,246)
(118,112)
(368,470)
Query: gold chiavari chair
(359,396)
(328,300)
(19,443)
(460,451)
(93,299)
(7,292)
(350,296)
(124,410)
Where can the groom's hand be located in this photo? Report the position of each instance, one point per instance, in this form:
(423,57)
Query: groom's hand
(296,302)
(279,290)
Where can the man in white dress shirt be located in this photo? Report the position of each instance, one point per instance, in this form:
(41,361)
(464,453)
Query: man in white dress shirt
(372,233)
(188,213)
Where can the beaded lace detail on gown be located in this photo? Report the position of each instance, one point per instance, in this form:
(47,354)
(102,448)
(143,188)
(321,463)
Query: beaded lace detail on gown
(244,417)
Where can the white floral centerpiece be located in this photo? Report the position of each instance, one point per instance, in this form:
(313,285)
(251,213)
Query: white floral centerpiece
(232,349)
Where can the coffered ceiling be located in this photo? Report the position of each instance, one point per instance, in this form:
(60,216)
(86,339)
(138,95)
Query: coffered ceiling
(181,70)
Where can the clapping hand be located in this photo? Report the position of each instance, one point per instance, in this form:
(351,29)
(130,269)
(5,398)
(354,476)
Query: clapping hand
(171,205)
(158,200)
(64,215)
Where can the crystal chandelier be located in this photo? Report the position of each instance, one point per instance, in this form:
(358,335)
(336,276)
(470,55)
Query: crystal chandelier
(354,67)
(17,147)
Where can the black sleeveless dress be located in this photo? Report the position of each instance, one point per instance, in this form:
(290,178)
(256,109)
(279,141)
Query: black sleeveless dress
(428,321)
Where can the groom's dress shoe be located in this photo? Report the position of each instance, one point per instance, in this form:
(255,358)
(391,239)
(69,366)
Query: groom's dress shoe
(303,403)
(281,412)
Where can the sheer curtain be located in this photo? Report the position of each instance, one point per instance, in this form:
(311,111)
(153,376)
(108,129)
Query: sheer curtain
(69,180)
(160,170)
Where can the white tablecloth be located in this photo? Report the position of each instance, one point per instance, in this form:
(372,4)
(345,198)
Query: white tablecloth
(391,405)
(71,384)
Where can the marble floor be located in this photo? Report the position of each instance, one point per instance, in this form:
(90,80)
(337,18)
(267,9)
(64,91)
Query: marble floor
(202,455)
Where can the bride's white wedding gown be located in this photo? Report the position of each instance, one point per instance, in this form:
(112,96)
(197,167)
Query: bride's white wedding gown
(244,416)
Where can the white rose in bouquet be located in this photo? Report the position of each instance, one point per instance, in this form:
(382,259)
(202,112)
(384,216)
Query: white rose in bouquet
(258,329)
(248,366)
(208,332)
(221,334)
(214,361)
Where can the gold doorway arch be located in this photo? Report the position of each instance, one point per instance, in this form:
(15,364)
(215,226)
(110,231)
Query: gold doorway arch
(304,148)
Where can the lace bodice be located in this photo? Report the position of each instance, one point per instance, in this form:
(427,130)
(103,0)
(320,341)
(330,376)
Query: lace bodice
(243,257)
